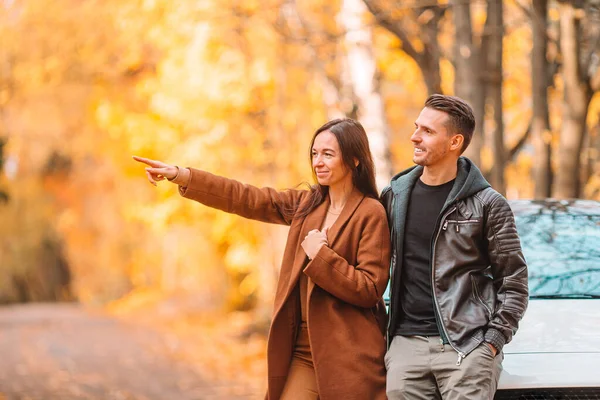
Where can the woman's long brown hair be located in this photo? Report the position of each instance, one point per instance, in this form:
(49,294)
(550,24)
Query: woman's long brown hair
(354,145)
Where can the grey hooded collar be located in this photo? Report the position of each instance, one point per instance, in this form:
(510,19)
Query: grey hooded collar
(469,180)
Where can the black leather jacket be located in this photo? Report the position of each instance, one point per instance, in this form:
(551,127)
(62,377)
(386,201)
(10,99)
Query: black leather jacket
(479,275)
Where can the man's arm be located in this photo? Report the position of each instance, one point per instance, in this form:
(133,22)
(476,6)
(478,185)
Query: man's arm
(509,272)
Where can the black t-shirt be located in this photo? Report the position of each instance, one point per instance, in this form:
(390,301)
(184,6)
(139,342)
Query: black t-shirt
(417,315)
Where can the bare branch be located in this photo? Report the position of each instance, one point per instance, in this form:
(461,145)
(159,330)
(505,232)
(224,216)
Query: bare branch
(387,22)
(525,9)
(512,152)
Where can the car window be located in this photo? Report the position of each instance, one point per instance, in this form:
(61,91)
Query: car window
(562,253)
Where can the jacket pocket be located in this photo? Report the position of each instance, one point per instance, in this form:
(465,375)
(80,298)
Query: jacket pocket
(457,224)
(478,298)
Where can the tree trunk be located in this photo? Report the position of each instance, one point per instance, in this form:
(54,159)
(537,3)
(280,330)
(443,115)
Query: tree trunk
(495,16)
(7,89)
(593,192)
(577,96)
(363,74)
(467,83)
(540,126)
(430,63)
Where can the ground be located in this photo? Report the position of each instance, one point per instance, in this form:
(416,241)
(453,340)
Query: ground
(68,352)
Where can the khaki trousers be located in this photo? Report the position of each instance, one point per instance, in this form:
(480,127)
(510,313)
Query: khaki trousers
(301,381)
(423,368)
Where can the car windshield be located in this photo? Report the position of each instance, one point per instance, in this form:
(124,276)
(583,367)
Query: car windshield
(562,253)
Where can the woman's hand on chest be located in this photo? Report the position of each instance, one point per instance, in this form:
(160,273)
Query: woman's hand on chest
(314,241)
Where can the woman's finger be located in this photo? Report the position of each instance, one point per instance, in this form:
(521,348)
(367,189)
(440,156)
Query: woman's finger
(317,233)
(147,161)
(150,178)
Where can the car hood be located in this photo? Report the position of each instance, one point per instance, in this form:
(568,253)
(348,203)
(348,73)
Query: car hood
(558,326)
(557,345)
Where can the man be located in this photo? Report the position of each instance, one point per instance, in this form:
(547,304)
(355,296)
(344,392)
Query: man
(458,277)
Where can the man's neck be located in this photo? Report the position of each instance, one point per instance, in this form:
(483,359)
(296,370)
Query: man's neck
(435,175)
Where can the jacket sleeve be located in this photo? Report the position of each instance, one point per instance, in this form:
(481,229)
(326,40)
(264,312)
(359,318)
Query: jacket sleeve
(362,284)
(261,204)
(509,272)
(387,199)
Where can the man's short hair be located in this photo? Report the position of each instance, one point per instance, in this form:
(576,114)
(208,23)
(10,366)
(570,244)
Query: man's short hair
(460,115)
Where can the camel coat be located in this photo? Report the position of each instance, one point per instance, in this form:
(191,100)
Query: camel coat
(346,316)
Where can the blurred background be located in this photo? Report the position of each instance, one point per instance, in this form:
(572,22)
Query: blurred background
(237,87)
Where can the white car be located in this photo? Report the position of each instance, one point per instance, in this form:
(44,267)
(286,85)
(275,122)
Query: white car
(556,351)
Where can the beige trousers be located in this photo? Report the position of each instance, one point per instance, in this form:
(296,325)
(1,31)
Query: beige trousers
(422,368)
(301,381)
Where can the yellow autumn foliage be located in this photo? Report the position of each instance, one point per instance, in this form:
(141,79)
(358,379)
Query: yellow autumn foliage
(233,87)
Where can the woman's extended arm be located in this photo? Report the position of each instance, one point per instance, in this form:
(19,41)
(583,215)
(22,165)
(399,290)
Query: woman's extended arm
(262,204)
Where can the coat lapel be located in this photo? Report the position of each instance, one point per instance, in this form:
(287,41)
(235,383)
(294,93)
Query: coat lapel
(315,220)
(353,201)
(334,232)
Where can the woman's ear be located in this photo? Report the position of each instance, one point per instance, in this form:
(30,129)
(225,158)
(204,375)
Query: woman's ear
(356,162)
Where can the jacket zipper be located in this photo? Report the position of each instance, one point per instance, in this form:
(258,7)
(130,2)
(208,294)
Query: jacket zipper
(466,221)
(461,355)
(458,223)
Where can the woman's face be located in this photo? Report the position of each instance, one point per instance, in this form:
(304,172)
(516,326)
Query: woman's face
(327,161)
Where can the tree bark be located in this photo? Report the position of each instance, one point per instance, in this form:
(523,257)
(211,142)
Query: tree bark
(577,95)
(594,163)
(8,89)
(495,16)
(363,74)
(467,79)
(541,134)
(430,64)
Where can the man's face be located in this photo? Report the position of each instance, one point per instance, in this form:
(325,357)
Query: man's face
(431,140)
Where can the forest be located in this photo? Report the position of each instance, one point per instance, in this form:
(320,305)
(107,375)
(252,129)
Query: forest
(237,88)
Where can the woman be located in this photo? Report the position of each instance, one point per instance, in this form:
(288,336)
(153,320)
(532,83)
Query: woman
(326,339)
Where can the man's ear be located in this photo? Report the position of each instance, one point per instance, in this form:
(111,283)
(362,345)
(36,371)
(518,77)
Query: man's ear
(456,142)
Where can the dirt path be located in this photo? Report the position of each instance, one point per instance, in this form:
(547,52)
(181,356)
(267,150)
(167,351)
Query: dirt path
(65,352)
